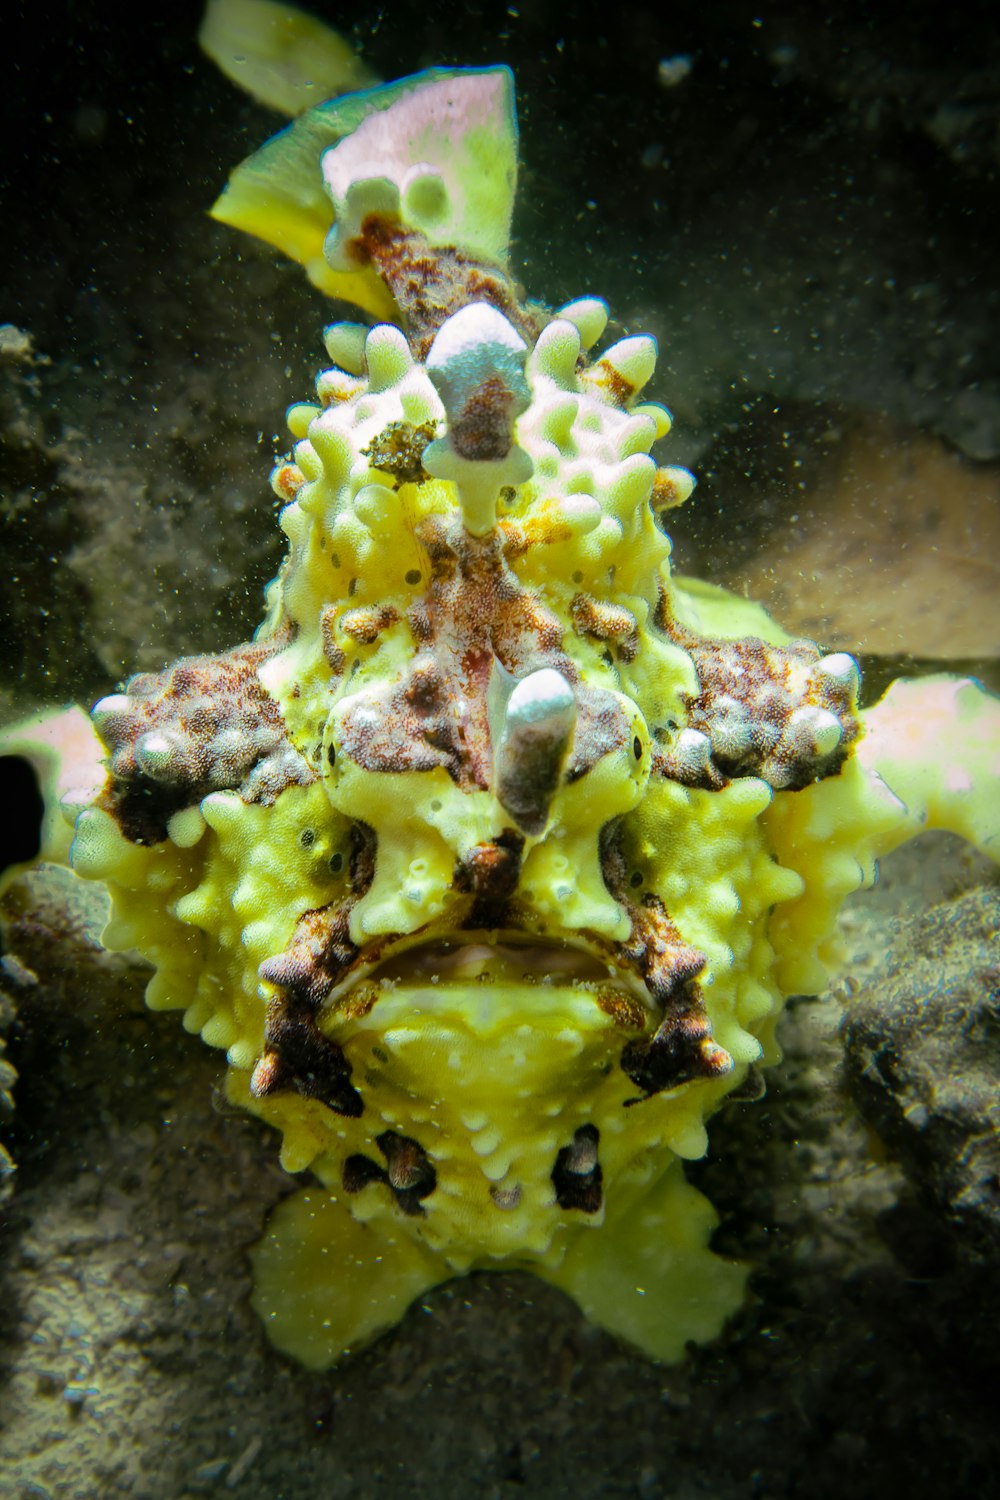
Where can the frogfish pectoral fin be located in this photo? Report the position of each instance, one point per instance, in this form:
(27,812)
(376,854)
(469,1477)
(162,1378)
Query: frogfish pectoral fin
(325,1285)
(649,1276)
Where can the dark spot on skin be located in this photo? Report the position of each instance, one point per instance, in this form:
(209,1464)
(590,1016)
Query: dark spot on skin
(474,612)
(359,1171)
(408,1173)
(618,390)
(680,1050)
(335,657)
(298,1056)
(577,1176)
(490,872)
(412,576)
(321,952)
(365,625)
(481,431)
(681,1047)
(637,748)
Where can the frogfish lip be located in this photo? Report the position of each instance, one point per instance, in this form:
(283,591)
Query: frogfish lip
(492,957)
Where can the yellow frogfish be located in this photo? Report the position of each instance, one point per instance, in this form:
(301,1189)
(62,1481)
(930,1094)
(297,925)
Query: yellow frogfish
(490,860)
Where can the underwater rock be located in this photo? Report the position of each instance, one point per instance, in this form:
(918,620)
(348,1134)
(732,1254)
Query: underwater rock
(922,1058)
(8,1077)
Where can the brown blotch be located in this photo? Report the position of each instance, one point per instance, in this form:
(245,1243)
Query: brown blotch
(225,730)
(321,952)
(665,493)
(473,610)
(358,1000)
(409,1172)
(658,953)
(287,480)
(319,955)
(399,450)
(606,622)
(769,683)
(482,430)
(490,872)
(603,724)
(617,390)
(298,1056)
(681,1048)
(625,1010)
(335,658)
(577,1176)
(365,625)
(429,283)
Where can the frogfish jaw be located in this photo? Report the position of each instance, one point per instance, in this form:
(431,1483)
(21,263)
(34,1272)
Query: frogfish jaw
(495,1125)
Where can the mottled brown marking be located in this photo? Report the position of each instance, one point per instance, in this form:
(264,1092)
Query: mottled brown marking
(473,612)
(625,1010)
(365,625)
(287,480)
(358,1000)
(617,390)
(334,386)
(359,1171)
(666,963)
(399,450)
(321,952)
(665,494)
(506,1198)
(362,865)
(681,1048)
(225,729)
(606,622)
(335,658)
(298,1056)
(769,684)
(317,958)
(603,724)
(482,431)
(409,1172)
(544,525)
(577,1176)
(490,872)
(429,283)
